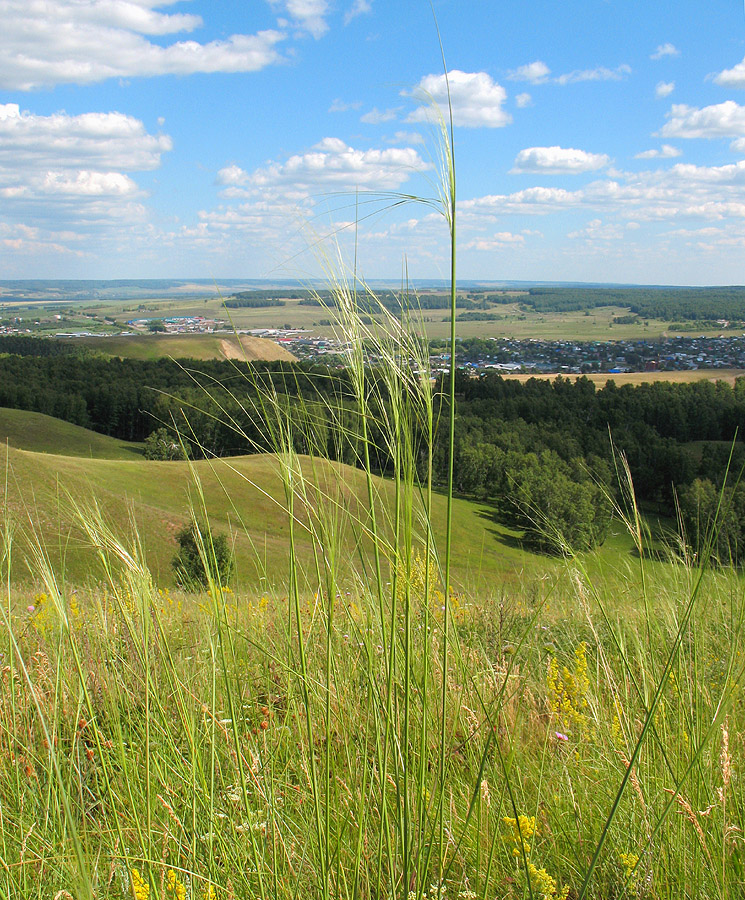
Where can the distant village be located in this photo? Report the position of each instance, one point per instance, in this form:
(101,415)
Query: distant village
(547,357)
(508,356)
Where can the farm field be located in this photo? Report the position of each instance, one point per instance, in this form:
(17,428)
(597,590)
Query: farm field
(675,377)
(514,322)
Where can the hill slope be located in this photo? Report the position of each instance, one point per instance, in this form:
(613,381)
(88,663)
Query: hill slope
(24,430)
(243,496)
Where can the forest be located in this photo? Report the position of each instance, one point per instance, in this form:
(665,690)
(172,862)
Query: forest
(689,303)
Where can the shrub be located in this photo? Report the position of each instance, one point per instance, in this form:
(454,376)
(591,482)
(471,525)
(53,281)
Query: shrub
(202,557)
(161,444)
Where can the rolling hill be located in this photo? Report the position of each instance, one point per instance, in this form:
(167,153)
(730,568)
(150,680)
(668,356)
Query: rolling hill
(186,346)
(243,496)
(33,431)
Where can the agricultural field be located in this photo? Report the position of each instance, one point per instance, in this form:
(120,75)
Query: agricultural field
(510,320)
(675,377)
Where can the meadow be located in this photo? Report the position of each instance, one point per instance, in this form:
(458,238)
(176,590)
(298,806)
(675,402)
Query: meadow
(367,719)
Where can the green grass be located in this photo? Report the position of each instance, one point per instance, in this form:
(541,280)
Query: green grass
(244,497)
(24,430)
(148,734)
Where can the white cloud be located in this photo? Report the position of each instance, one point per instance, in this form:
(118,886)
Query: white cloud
(497,241)
(597,231)
(722,120)
(358,8)
(558,161)
(232,175)
(536,73)
(91,140)
(666,151)
(734,77)
(601,73)
(712,193)
(665,50)
(330,165)
(48,42)
(664,89)
(475,97)
(310,15)
(523,100)
(378,116)
(73,169)
(406,137)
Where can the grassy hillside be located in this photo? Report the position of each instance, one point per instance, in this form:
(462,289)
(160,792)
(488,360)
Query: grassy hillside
(243,496)
(24,430)
(187,346)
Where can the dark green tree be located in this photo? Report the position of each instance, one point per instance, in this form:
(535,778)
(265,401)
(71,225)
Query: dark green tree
(713,521)
(202,557)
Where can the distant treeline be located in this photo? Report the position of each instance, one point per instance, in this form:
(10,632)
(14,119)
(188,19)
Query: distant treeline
(706,304)
(248,299)
(22,345)
(710,303)
(542,449)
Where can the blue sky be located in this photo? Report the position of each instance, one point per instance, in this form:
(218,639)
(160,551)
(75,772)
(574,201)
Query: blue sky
(596,140)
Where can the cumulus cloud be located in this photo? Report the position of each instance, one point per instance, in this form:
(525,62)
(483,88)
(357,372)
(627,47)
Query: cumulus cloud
(523,100)
(601,73)
(69,177)
(232,175)
(48,42)
(595,230)
(682,192)
(329,165)
(405,137)
(475,97)
(734,77)
(310,15)
(666,151)
(665,50)
(91,140)
(664,89)
(558,161)
(722,120)
(536,72)
(497,241)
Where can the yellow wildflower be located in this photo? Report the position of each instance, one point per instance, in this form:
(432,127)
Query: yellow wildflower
(630,861)
(520,830)
(175,888)
(567,690)
(140,888)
